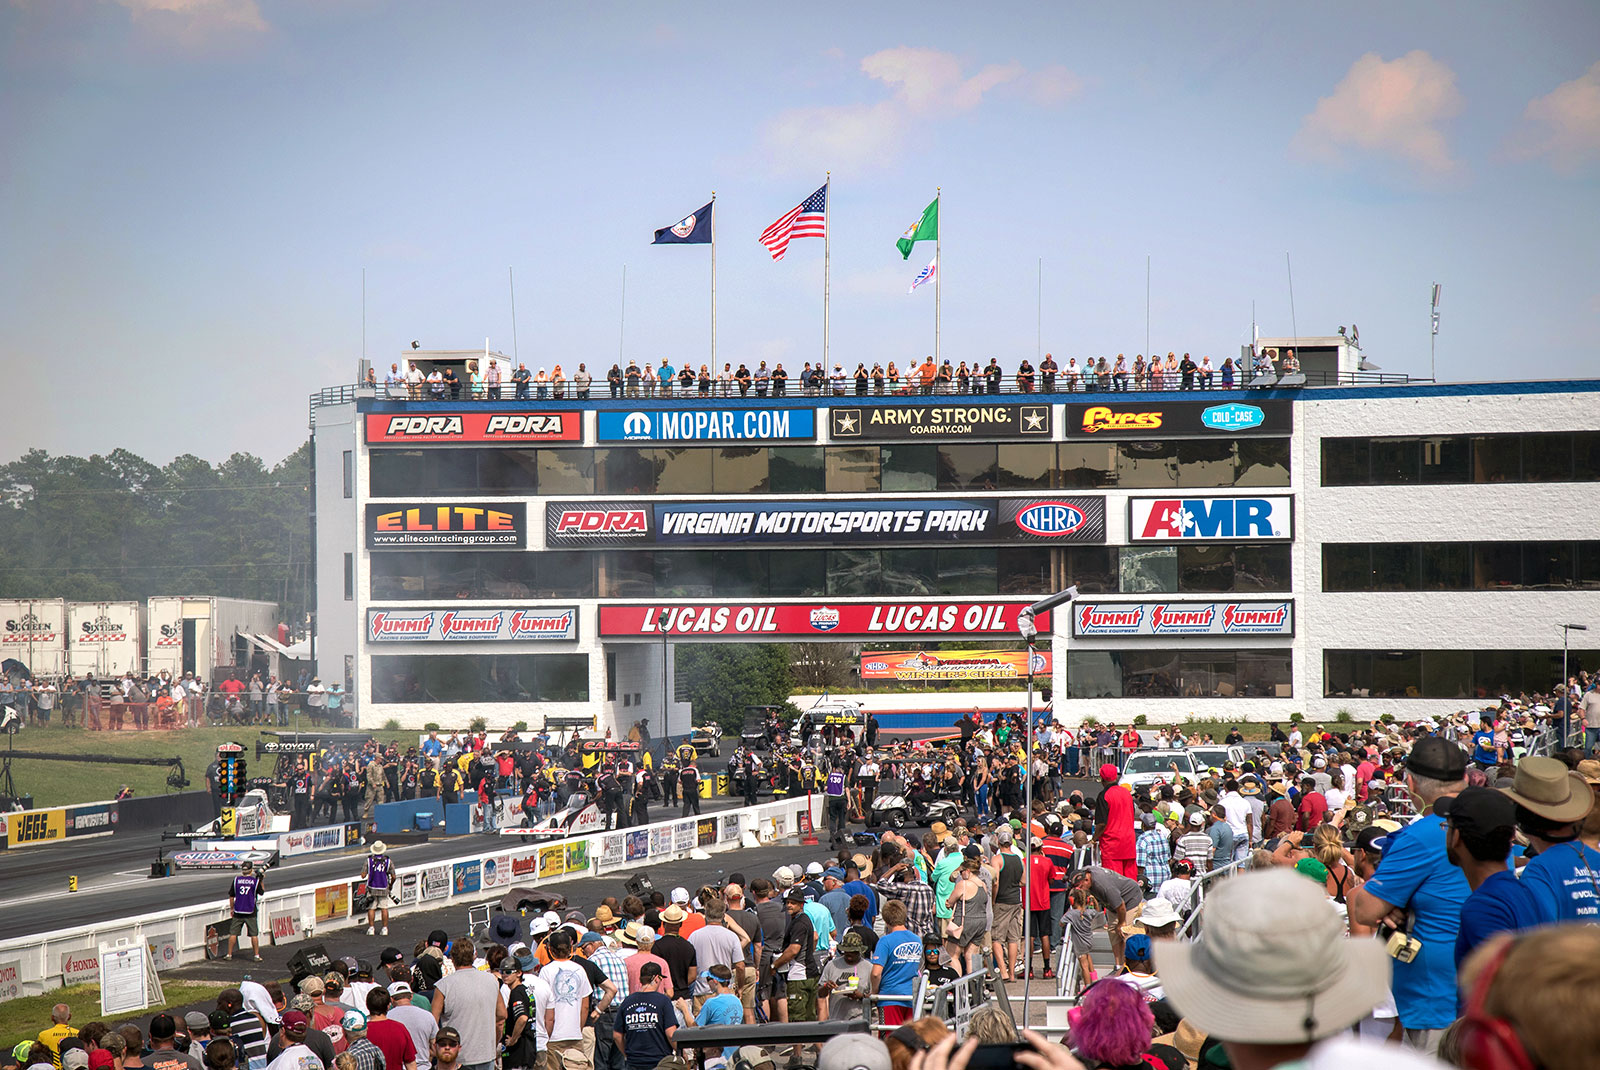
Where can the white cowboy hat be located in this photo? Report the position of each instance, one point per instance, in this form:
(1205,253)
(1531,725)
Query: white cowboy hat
(1273,964)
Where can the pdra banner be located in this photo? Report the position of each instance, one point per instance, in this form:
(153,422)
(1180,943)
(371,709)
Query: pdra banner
(384,429)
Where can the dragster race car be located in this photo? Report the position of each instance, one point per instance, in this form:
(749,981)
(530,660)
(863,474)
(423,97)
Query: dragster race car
(581,815)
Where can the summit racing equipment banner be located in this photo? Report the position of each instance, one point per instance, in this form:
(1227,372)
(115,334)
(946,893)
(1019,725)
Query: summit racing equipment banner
(1155,419)
(391,430)
(813,619)
(406,526)
(509,625)
(833,521)
(1211,519)
(952,664)
(1182,618)
(969,420)
(702,425)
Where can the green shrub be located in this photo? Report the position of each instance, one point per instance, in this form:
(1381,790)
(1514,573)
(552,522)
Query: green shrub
(1387,718)
(1140,721)
(1091,721)
(1343,717)
(391,725)
(477,724)
(431,726)
(1296,718)
(520,726)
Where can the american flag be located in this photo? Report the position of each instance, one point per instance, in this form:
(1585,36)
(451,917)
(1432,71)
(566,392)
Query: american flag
(808,219)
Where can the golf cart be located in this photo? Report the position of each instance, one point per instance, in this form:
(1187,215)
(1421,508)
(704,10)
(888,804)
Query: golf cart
(755,734)
(707,739)
(837,718)
(897,807)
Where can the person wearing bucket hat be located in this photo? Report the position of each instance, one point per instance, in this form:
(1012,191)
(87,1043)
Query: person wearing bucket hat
(1272,970)
(1416,890)
(1564,874)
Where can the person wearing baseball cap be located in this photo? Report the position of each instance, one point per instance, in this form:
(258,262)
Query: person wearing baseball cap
(1552,803)
(295,1054)
(1114,825)
(1416,880)
(1481,823)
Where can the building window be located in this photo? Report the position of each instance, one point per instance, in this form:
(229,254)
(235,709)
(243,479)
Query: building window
(1166,673)
(1470,675)
(405,679)
(349,577)
(1461,566)
(611,677)
(1535,457)
(349,473)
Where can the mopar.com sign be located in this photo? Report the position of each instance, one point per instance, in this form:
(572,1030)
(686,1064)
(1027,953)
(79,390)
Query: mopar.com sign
(707,425)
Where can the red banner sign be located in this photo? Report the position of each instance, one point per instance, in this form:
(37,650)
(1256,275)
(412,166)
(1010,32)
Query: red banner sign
(815,620)
(952,664)
(414,428)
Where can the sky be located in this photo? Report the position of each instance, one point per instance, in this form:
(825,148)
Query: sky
(192,190)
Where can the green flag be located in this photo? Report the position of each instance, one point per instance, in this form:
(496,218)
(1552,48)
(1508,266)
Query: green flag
(924,229)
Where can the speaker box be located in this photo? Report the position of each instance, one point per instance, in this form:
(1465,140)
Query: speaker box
(639,885)
(311,959)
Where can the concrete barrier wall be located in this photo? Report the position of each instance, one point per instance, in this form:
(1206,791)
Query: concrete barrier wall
(142,813)
(310,911)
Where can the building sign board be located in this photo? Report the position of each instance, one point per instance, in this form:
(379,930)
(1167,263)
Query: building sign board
(447,526)
(480,427)
(707,425)
(835,619)
(972,419)
(510,624)
(1092,619)
(1150,419)
(952,664)
(1267,518)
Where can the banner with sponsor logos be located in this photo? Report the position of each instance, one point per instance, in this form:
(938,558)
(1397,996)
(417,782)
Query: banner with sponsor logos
(707,425)
(952,664)
(826,521)
(80,966)
(661,841)
(948,420)
(812,619)
(310,841)
(638,845)
(91,819)
(683,837)
(465,877)
(435,883)
(461,427)
(284,926)
(1092,619)
(1211,519)
(577,859)
(552,861)
(510,624)
(25,828)
(332,902)
(10,980)
(1138,418)
(413,526)
(496,871)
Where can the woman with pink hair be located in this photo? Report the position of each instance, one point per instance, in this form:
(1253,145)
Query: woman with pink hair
(1112,1026)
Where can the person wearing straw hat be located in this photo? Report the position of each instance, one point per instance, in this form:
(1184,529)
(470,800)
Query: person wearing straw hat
(1552,804)
(1272,974)
(380,884)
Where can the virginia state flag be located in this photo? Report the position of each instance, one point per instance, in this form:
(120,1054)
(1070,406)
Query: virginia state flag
(692,229)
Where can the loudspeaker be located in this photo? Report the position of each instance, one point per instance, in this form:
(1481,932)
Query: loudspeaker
(639,885)
(309,960)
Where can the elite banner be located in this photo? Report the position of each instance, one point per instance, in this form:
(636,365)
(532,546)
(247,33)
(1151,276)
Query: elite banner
(936,617)
(449,526)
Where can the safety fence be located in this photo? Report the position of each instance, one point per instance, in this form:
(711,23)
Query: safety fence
(43,961)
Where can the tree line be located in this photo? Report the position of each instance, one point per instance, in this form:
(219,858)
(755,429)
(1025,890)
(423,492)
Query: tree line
(118,528)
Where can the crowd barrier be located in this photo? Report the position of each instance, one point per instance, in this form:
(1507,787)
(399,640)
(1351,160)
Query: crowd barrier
(144,812)
(182,935)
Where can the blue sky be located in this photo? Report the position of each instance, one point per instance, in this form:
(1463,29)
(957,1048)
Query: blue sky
(193,187)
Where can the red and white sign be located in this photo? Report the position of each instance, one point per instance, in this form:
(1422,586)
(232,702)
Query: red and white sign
(80,967)
(1182,618)
(500,625)
(396,429)
(939,617)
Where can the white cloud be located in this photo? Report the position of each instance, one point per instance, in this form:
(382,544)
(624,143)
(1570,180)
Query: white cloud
(924,84)
(1564,124)
(1387,108)
(194,20)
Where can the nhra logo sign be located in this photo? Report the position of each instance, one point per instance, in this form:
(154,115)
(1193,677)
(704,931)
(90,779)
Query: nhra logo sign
(385,429)
(595,523)
(1211,519)
(1183,618)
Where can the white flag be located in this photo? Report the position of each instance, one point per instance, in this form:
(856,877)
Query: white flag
(928,274)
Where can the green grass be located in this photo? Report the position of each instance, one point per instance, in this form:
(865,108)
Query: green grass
(65,783)
(22,1019)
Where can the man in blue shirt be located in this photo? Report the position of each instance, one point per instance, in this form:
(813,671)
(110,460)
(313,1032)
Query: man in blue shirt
(1564,873)
(1485,755)
(896,961)
(1480,824)
(854,885)
(1416,888)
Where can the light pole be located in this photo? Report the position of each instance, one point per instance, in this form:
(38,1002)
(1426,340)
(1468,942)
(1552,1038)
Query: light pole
(1030,631)
(661,622)
(1566,687)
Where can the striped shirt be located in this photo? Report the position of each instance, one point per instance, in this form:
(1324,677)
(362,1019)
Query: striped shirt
(917,895)
(1153,853)
(614,967)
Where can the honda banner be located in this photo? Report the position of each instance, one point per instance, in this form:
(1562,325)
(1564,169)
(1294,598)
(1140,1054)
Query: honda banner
(952,664)
(836,620)
(1090,619)
(479,427)
(1211,519)
(512,624)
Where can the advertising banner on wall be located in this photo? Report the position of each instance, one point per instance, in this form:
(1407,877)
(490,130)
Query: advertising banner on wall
(435,882)
(332,902)
(1138,418)
(826,522)
(813,619)
(1092,619)
(473,427)
(95,819)
(24,828)
(10,980)
(1211,519)
(973,419)
(707,425)
(416,526)
(952,664)
(510,624)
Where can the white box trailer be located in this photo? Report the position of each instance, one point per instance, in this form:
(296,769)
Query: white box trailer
(201,635)
(34,632)
(105,638)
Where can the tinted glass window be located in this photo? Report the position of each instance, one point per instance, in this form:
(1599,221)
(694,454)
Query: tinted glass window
(508,471)
(1206,463)
(1447,566)
(796,470)
(1262,568)
(681,470)
(562,573)
(394,473)
(686,573)
(798,573)
(1094,674)
(1092,568)
(1497,672)
(1026,465)
(1497,565)
(1397,674)
(1026,570)
(1203,569)
(1587,569)
(1586,455)
(909,572)
(1346,566)
(967,466)
(1147,464)
(1148,571)
(508,575)
(624,470)
(1497,459)
(453,678)
(627,574)
(1447,674)
(852,469)
(1395,460)
(1346,462)
(1548,565)
(855,572)
(450,471)
(1264,674)
(1087,464)
(1207,674)
(1446,460)
(397,576)
(1346,673)
(742,575)
(739,470)
(1395,567)
(909,467)
(566,472)
(1262,462)
(961,571)
(1546,458)
(1152,673)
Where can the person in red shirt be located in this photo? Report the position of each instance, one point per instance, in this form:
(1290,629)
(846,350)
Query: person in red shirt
(1113,821)
(1364,773)
(1041,869)
(1313,806)
(1281,816)
(1130,739)
(389,1037)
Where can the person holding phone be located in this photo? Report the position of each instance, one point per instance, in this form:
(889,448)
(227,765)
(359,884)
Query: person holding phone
(969,918)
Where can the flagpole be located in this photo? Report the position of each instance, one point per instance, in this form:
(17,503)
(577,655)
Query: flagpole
(713,282)
(827,257)
(938,275)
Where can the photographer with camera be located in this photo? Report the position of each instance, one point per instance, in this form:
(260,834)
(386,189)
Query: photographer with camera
(1415,897)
